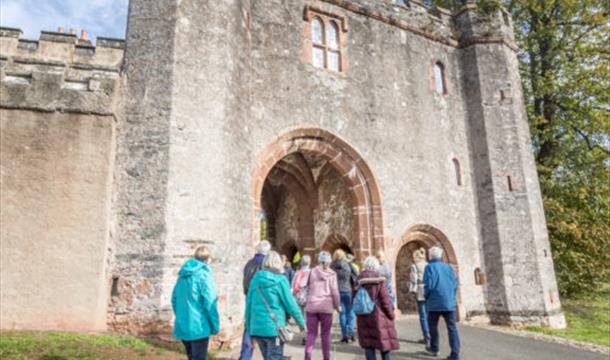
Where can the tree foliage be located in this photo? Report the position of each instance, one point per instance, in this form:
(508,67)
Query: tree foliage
(564,69)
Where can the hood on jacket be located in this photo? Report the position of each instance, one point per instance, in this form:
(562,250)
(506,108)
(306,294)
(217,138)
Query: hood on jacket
(191,267)
(320,272)
(268,278)
(370,277)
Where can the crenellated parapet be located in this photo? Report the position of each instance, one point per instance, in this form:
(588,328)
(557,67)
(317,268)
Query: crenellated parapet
(59,72)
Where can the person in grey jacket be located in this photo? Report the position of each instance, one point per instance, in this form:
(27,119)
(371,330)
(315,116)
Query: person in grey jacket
(344,280)
(416,287)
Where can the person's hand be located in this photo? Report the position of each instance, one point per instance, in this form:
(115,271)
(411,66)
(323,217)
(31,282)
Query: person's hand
(339,309)
(302,328)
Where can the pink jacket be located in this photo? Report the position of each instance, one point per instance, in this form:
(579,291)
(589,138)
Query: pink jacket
(322,291)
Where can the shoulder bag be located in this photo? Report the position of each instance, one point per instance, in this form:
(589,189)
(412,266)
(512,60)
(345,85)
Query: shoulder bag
(283,332)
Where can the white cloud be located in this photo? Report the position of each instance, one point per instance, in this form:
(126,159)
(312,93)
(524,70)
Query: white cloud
(106,18)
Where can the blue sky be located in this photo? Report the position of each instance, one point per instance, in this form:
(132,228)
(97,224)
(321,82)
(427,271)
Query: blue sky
(106,18)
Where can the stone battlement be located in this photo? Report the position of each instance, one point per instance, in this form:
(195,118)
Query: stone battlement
(59,72)
(57,47)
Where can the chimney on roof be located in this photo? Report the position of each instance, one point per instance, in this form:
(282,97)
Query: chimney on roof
(60,29)
(83,35)
(72,31)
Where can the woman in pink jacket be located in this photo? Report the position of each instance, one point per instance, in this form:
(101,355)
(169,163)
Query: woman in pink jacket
(322,300)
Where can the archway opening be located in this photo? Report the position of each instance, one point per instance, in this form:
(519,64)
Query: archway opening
(310,186)
(418,236)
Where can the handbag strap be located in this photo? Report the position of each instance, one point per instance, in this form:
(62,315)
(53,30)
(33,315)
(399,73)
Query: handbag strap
(267,305)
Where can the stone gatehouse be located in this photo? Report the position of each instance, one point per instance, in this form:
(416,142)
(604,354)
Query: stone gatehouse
(320,124)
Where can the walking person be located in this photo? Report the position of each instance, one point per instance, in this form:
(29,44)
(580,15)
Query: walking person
(322,300)
(253,265)
(344,281)
(268,301)
(194,301)
(376,330)
(440,287)
(300,285)
(416,287)
(288,271)
(385,271)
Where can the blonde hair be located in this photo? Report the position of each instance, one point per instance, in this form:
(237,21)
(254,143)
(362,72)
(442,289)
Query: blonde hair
(273,261)
(419,254)
(339,254)
(203,253)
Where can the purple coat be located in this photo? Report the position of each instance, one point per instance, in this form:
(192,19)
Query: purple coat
(376,330)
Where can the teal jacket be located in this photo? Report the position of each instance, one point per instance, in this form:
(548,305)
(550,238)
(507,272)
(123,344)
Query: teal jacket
(276,290)
(194,301)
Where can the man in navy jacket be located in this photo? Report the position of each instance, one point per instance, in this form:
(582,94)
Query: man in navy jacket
(440,287)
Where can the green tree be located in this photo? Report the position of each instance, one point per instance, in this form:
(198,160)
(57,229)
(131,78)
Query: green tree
(564,67)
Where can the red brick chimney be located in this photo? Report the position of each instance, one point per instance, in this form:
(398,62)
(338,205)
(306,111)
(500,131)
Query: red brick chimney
(60,29)
(83,35)
(72,31)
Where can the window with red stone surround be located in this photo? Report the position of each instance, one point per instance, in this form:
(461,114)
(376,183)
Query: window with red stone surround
(324,35)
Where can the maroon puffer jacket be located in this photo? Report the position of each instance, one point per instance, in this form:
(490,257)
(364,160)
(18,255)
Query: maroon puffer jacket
(377,330)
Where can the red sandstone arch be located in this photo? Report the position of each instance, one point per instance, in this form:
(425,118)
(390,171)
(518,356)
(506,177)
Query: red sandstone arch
(368,223)
(427,236)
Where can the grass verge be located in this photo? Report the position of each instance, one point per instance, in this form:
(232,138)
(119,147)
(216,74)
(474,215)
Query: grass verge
(588,319)
(18,345)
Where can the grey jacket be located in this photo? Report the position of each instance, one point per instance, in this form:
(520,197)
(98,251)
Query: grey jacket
(344,274)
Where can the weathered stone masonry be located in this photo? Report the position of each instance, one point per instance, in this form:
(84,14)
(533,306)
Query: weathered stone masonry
(216,112)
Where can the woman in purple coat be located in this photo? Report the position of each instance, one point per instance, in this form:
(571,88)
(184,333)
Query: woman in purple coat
(376,331)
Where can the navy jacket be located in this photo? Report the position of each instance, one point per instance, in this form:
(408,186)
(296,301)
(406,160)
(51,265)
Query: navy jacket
(254,265)
(440,286)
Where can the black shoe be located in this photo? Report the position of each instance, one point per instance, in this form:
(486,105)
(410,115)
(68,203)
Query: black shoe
(344,340)
(304,342)
(429,350)
(307,357)
(352,339)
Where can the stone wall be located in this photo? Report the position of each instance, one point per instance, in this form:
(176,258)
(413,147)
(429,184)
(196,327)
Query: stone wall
(57,115)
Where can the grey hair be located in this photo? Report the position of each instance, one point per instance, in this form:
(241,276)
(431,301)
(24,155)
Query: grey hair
(203,253)
(371,263)
(305,261)
(324,258)
(435,252)
(263,247)
(273,261)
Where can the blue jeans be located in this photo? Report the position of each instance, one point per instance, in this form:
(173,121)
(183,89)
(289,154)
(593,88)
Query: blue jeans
(196,349)
(423,320)
(454,337)
(270,348)
(369,354)
(346,317)
(246,347)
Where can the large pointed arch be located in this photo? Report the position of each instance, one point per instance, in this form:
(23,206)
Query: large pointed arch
(367,213)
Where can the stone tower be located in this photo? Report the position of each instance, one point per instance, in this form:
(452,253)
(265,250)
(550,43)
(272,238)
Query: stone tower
(317,124)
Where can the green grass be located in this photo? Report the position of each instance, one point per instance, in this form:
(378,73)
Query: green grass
(17,345)
(588,318)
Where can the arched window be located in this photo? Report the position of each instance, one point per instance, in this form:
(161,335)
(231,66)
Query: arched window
(326,42)
(457,172)
(317,39)
(439,78)
(334,55)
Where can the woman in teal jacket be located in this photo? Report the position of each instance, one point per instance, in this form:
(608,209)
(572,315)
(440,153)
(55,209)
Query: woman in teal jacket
(271,283)
(194,301)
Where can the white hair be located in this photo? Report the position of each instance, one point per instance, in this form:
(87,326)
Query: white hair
(273,261)
(305,261)
(324,258)
(435,252)
(263,247)
(371,263)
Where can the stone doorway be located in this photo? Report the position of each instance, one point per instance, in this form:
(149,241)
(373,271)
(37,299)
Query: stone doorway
(406,301)
(311,186)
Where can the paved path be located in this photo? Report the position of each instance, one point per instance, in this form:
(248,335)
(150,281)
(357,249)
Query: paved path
(477,344)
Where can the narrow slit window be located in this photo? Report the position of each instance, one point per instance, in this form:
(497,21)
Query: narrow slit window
(439,78)
(457,172)
(509,181)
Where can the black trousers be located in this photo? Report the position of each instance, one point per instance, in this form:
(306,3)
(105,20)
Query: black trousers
(197,349)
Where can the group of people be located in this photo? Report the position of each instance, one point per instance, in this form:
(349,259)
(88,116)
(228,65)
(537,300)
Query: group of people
(275,293)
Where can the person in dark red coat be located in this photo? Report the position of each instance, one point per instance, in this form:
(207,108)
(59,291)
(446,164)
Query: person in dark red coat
(376,331)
